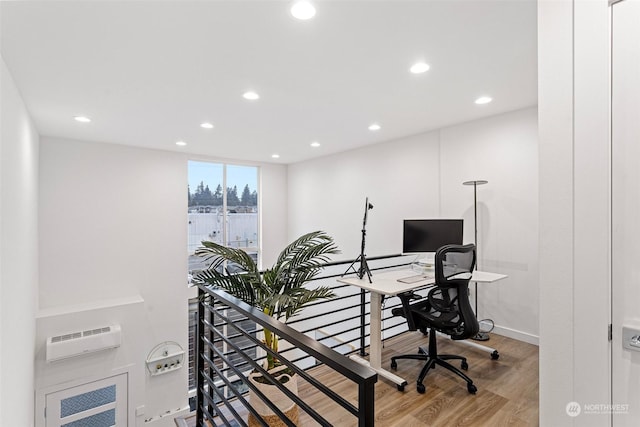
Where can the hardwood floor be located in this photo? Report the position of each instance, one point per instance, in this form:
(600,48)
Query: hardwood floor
(507,388)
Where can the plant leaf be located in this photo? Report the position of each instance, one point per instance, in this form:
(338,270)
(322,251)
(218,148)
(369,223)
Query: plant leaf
(280,290)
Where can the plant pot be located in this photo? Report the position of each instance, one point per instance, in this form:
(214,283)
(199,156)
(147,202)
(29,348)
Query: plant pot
(276,396)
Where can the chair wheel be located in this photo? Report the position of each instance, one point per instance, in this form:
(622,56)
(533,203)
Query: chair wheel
(464,365)
(472,388)
(401,387)
(421,388)
(394,365)
(495,355)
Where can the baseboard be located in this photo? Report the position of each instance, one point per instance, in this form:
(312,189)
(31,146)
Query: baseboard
(516,335)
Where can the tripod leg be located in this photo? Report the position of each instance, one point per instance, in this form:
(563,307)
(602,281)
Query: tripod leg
(352,267)
(364,266)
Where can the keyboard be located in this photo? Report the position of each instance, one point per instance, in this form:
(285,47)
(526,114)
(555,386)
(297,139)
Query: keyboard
(416,278)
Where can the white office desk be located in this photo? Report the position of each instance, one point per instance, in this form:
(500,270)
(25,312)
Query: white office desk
(386,283)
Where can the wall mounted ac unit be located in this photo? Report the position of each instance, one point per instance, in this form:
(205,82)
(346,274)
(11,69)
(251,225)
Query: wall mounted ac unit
(83,342)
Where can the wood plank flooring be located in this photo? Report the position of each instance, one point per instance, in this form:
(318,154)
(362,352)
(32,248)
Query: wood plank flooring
(507,388)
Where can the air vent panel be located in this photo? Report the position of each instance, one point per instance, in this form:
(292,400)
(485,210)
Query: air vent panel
(83,342)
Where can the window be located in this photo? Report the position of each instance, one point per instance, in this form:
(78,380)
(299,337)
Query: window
(223,208)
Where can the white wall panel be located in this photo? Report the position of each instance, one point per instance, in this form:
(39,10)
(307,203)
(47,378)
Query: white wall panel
(626,205)
(592,202)
(574,216)
(555,41)
(19,145)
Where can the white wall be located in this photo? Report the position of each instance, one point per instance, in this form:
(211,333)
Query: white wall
(421,177)
(400,179)
(132,316)
(625,206)
(113,223)
(573,43)
(273,217)
(112,226)
(19,144)
(504,151)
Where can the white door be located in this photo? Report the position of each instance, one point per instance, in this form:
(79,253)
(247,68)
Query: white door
(101,403)
(625,111)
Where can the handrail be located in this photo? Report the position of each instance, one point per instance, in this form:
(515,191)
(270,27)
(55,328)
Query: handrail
(208,308)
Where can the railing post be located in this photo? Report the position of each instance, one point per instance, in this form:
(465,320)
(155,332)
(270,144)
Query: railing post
(366,403)
(362,322)
(211,319)
(199,359)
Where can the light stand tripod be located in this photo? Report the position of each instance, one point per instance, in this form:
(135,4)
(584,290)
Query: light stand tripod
(362,258)
(480,336)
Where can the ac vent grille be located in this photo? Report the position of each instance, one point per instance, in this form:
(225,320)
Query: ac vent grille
(76,335)
(83,342)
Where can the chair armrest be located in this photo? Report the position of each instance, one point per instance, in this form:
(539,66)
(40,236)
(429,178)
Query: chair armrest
(405,299)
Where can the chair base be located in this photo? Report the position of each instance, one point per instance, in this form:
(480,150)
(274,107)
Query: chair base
(432,358)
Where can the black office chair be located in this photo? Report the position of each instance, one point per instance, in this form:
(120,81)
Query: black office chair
(446,309)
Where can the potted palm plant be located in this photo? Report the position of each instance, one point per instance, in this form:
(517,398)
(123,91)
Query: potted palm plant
(279,291)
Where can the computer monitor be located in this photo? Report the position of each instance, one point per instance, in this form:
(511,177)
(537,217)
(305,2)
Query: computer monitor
(428,235)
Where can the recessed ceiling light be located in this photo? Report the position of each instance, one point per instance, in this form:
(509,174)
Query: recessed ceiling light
(181,143)
(419,67)
(483,100)
(315,144)
(82,119)
(303,10)
(206,125)
(275,156)
(374,127)
(251,96)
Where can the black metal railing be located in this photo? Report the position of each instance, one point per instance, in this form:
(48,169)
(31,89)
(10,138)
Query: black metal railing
(230,338)
(346,331)
(350,309)
(222,380)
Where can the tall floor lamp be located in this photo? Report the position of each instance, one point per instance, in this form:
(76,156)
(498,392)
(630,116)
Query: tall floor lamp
(480,336)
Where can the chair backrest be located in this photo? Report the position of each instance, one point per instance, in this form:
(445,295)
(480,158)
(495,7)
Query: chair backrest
(453,315)
(454,263)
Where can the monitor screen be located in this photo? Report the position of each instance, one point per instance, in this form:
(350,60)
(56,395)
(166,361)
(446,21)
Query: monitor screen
(428,235)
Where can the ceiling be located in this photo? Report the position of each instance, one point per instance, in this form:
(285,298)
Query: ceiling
(148,73)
